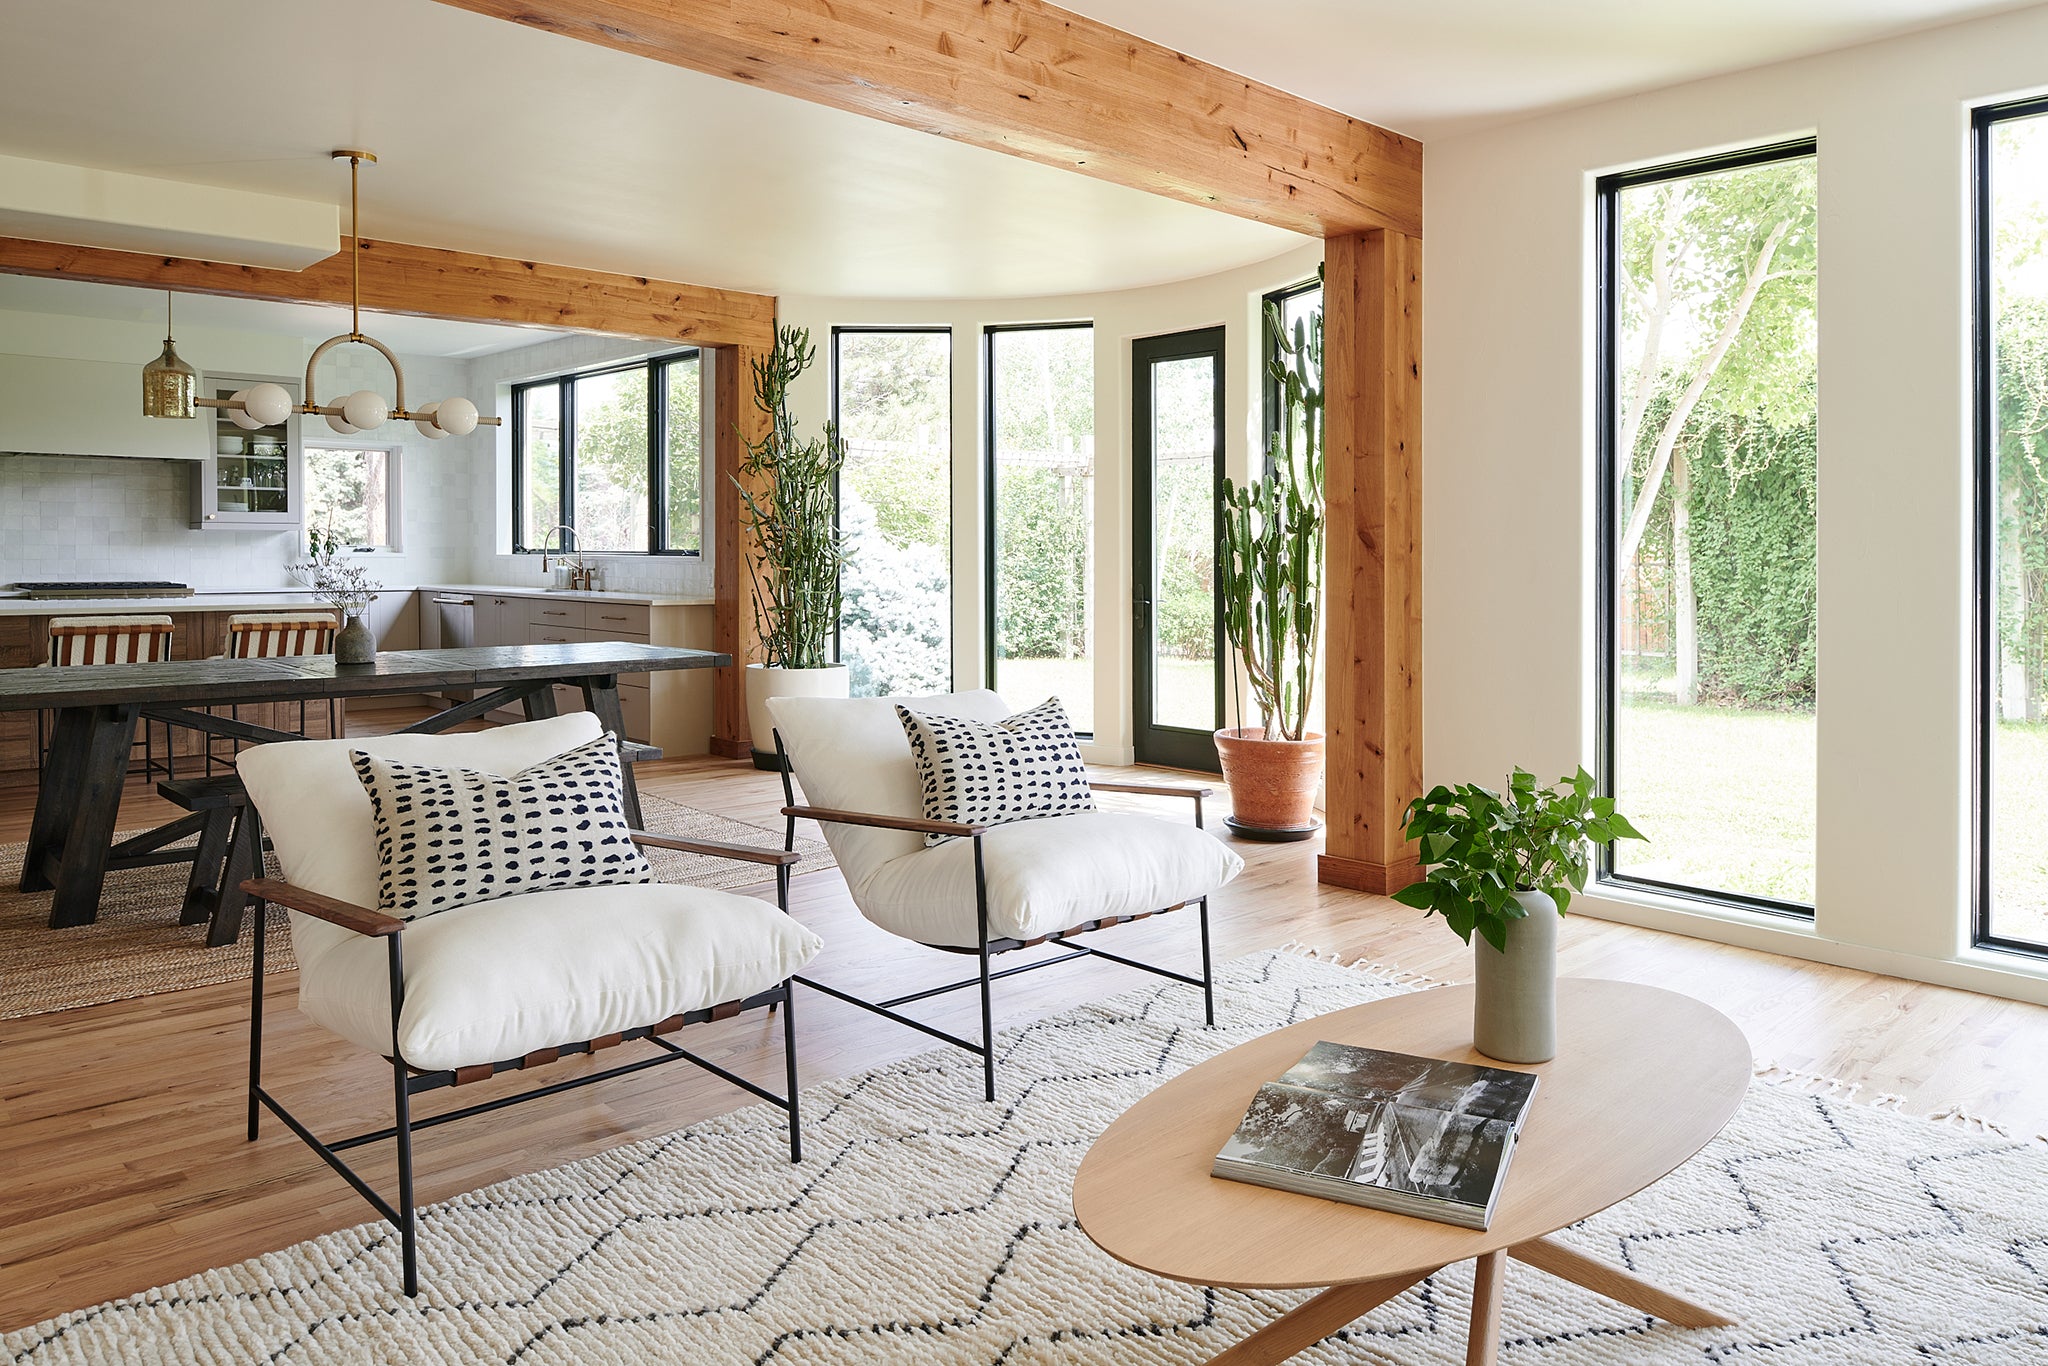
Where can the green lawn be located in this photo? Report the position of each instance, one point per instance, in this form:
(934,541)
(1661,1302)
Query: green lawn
(2019,821)
(1727,799)
(1186,688)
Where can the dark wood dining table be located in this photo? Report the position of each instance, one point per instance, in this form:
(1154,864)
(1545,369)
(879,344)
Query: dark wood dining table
(71,838)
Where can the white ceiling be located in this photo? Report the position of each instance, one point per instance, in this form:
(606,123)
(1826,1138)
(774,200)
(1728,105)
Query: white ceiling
(409,336)
(1448,65)
(497,138)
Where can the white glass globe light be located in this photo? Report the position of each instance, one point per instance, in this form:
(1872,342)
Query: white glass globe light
(423,418)
(364,409)
(341,425)
(240,416)
(269,404)
(455,416)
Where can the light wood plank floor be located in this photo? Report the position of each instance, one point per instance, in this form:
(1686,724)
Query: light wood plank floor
(122,1164)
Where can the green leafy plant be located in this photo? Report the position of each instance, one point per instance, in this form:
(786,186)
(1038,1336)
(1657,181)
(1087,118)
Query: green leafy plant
(1270,565)
(1482,846)
(787,488)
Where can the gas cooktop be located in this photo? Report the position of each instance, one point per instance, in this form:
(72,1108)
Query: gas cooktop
(113,588)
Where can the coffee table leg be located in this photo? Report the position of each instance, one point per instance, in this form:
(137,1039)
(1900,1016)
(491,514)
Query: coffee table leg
(1547,1254)
(1309,1323)
(1482,1344)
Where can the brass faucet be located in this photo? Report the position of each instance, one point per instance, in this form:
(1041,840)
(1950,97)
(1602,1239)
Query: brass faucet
(579,574)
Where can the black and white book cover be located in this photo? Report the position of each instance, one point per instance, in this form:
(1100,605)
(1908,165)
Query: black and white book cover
(1390,1131)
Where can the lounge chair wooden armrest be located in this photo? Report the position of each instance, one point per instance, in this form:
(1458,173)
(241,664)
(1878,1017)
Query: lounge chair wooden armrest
(1151,789)
(750,853)
(918,825)
(346,914)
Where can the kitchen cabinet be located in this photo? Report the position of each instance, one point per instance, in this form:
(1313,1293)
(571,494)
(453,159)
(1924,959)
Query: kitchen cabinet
(671,709)
(248,480)
(50,405)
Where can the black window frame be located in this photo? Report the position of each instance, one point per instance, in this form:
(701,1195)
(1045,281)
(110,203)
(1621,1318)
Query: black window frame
(1153,742)
(1606,228)
(952,475)
(1984,519)
(657,454)
(1269,351)
(989,332)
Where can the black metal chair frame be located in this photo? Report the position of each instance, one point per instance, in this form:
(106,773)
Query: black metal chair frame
(407,1082)
(985,947)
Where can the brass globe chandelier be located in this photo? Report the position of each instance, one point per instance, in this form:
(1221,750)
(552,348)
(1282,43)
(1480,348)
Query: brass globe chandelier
(167,382)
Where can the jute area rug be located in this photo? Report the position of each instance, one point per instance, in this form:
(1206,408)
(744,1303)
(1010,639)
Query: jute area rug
(925,1226)
(138,948)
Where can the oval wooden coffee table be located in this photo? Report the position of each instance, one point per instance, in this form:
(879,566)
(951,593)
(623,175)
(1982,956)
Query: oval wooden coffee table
(1643,1079)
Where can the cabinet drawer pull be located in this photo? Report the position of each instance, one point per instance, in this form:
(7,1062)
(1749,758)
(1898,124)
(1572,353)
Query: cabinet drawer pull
(553,612)
(605,618)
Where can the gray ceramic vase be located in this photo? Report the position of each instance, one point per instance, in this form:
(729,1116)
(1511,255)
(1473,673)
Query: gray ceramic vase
(354,644)
(1514,1018)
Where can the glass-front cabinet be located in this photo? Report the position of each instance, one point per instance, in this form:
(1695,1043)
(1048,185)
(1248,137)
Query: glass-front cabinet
(248,478)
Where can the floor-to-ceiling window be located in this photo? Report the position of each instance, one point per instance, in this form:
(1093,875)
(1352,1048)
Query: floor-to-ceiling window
(1708,584)
(1041,480)
(2012,525)
(892,399)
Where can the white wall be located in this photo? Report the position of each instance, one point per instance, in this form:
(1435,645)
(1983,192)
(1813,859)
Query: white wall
(1509,487)
(1232,299)
(82,518)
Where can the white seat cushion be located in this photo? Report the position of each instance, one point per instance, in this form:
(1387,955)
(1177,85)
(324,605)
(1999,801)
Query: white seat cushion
(1047,875)
(850,753)
(495,980)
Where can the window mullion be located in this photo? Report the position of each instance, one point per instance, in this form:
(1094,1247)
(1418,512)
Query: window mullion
(657,457)
(565,504)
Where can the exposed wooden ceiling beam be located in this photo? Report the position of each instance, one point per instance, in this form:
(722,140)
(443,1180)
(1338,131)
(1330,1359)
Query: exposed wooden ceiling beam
(1024,77)
(431,282)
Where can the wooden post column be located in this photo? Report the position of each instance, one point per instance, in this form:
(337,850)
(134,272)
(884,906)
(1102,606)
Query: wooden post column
(739,421)
(1372,375)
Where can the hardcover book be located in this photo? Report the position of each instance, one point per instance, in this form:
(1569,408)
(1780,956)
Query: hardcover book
(1389,1131)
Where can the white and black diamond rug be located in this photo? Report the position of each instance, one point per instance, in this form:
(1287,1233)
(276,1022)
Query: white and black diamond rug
(927,1227)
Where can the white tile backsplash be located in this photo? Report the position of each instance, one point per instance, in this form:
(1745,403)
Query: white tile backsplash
(77,517)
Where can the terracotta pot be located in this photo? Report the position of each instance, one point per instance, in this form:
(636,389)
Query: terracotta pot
(1272,782)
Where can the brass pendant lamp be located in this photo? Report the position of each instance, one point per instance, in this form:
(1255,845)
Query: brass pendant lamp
(168,383)
(266,405)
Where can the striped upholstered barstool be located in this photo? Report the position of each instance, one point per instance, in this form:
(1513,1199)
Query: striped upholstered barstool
(109,640)
(279,635)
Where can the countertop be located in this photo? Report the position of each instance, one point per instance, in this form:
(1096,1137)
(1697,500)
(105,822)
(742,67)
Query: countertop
(244,600)
(278,599)
(629,599)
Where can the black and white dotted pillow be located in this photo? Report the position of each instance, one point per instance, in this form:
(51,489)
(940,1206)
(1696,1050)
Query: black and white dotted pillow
(447,837)
(1020,768)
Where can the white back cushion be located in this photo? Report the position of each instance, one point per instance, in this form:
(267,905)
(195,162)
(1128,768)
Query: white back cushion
(319,818)
(850,753)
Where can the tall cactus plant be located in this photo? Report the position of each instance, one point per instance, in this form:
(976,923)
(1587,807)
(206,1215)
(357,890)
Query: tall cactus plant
(1271,563)
(788,486)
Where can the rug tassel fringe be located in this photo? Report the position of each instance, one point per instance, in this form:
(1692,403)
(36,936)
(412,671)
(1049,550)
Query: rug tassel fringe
(1389,973)
(1814,1083)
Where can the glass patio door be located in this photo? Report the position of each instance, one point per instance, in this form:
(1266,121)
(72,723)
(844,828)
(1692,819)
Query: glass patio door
(1177,494)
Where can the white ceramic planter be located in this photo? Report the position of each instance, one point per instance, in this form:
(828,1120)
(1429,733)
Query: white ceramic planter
(764,682)
(1514,1012)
